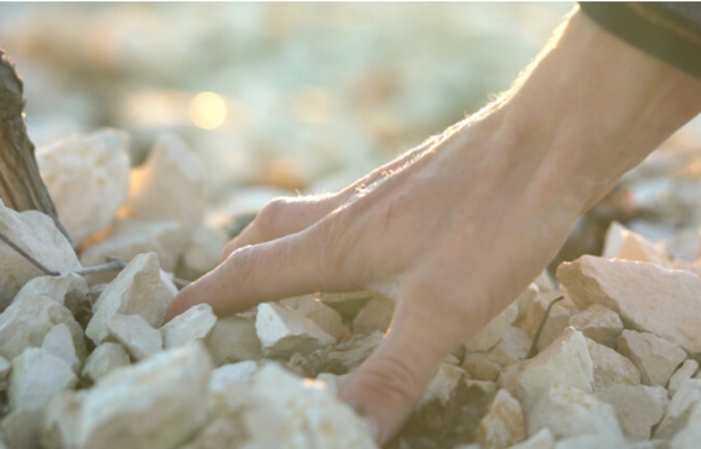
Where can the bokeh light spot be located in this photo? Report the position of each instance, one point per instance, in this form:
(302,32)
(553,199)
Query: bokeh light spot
(208,110)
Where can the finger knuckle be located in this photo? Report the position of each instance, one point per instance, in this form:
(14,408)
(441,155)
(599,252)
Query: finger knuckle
(392,379)
(270,215)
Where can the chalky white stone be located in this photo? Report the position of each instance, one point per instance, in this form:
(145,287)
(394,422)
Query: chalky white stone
(196,323)
(36,376)
(680,409)
(638,408)
(376,315)
(205,250)
(610,367)
(442,384)
(59,342)
(103,360)
(599,323)
(325,317)
(233,339)
(512,347)
(685,372)
(558,318)
(134,333)
(69,290)
(490,334)
(543,439)
(655,357)
(503,425)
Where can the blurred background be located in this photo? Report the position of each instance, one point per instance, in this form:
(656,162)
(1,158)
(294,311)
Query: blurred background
(305,98)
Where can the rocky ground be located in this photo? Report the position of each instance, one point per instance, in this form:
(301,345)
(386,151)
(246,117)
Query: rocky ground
(606,355)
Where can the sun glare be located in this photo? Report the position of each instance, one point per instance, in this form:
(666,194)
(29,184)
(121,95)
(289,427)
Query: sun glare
(208,110)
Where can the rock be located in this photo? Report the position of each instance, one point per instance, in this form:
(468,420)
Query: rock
(334,383)
(88,179)
(689,436)
(69,290)
(599,323)
(442,384)
(26,322)
(376,315)
(134,333)
(194,324)
(166,290)
(598,441)
(21,429)
(59,342)
(337,359)
(132,292)
(324,316)
(480,367)
(489,335)
(543,439)
(611,368)
(155,404)
(558,319)
(103,360)
(650,444)
(637,248)
(655,357)
(512,347)
(613,242)
(638,408)
(660,301)
(545,282)
(523,302)
(37,234)
(569,412)
(171,185)
(682,374)
(221,432)
(682,246)
(205,250)
(30,385)
(503,426)
(131,237)
(228,383)
(233,339)
(282,332)
(565,361)
(347,304)
(508,379)
(680,409)
(5,369)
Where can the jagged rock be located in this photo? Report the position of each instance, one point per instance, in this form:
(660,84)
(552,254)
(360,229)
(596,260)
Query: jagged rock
(334,383)
(545,282)
(155,404)
(512,347)
(88,179)
(565,361)
(650,444)
(132,292)
(543,439)
(690,435)
(234,339)
(508,379)
(134,333)
(638,408)
(325,317)
(599,323)
(637,248)
(523,302)
(442,384)
(558,319)
(205,250)
(655,357)
(26,322)
(194,324)
(103,360)
(489,335)
(376,315)
(69,290)
(31,386)
(657,300)
(37,234)
(282,332)
(611,368)
(221,432)
(21,429)
(59,342)
(613,242)
(569,412)
(340,358)
(503,426)
(228,383)
(681,375)
(680,409)
(480,367)
(598,441)
(5,369)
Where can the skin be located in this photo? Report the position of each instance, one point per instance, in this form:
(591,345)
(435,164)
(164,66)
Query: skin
(455,229)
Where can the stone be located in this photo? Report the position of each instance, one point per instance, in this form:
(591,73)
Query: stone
(680,409)
(503,425)
(635,247)
(512,347)
(598,441)
(30,385)
(683,245)
(490,334)
(5,368)
(325,317)
(132,292)
(228,383)
(59,342)
(282,332)
(155,404)
(543,439)
(130,237)
(134,333)
(655,357)
(610,367)
(221,432)
(37,234)
(690,435)
(21,429)
(348,304)
(205,250)
(170,185)
(638,408)
(558,319)
(234,339)
(480,367)
(442,384)
(376,315)
(599,323)
(69,290)
(338,359)
(657,300)
(26,322)
(566,361)
(523,302)
(613,242)
(569,412)
(545,282)
(103,360)
(196,323)
(508,379)
(650,444)
(334,382)
(682,374)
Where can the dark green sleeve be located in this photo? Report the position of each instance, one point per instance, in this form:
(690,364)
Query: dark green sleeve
(668,31)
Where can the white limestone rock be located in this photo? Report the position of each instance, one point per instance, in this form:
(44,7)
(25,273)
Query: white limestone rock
(558,319)
(325,317)
(655,357)
(610,367)
(155,404)
(234,339)
(132,292)
(27,321)
(490,335)
(205,250)
(566,361)
(613,242)
(5,368)
(334,382)
(194,324)
(503,425)
(103,360)
(442,384)
(638,408)
(37,234)
(597,440)
(480,367)
(543,439)
(599,323)
(36,376)
(21,429)
(282,332)
(523,302)
(512,347)
(569,412)
(661,301)
(689,436)
(375,316)
(69,290)
(134,333)
(681,375)
(88,179)
(680,410)
(635,247)
(59,342)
